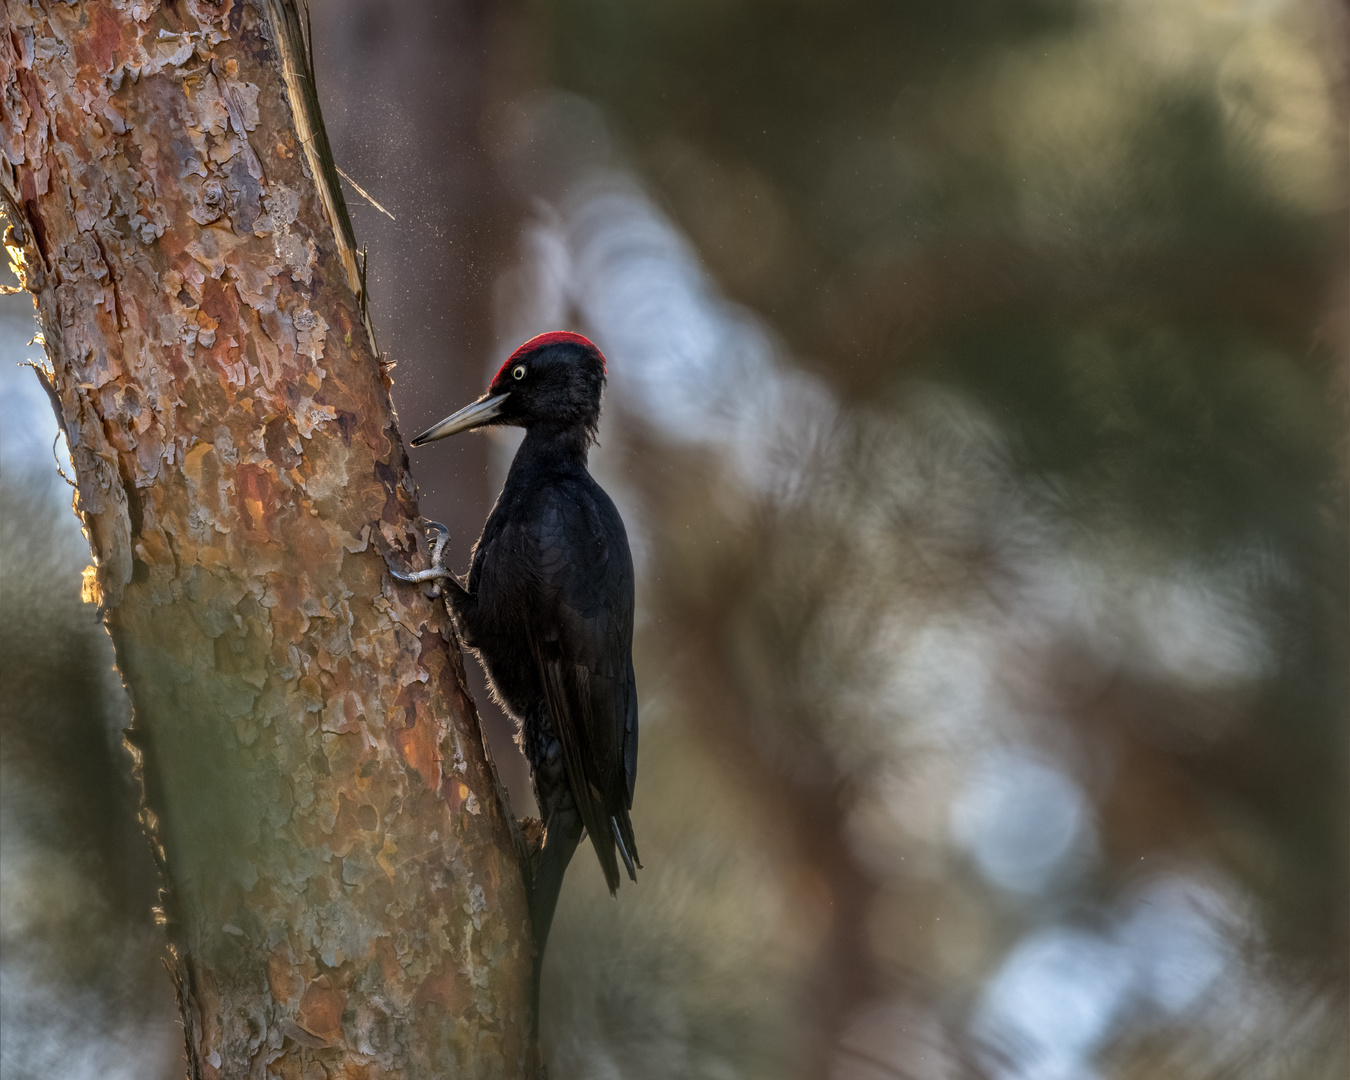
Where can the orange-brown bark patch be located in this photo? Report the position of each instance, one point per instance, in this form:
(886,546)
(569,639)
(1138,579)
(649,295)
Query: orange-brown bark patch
(417,743)
(281,976)
(320,1011)
(257,498)
(445,988)
(98,42)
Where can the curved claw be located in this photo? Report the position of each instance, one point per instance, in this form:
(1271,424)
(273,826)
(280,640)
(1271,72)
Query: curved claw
(400,575)
(429,527)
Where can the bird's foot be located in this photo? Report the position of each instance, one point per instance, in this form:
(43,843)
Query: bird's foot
(437,536)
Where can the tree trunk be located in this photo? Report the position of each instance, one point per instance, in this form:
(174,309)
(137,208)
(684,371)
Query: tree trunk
(343,891)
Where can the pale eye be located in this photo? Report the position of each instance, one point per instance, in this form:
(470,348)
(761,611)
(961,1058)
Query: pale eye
(518,372)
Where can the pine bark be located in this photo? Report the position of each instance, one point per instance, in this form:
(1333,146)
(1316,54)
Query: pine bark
(343,894)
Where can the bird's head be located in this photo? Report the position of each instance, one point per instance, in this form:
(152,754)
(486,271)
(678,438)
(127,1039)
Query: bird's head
(553,380)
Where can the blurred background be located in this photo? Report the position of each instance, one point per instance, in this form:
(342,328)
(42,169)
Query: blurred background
(977,408)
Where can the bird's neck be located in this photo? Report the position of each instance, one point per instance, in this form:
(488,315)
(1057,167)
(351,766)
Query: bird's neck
(555,447)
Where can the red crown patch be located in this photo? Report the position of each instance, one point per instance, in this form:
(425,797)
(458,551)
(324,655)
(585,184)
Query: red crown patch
(553,337)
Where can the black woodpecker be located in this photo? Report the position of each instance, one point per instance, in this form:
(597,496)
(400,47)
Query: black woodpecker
(548,609)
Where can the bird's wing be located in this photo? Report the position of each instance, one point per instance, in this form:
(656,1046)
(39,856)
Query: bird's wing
(582,640)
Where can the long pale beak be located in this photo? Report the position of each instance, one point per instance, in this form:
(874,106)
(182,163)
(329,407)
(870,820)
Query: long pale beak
(471,416)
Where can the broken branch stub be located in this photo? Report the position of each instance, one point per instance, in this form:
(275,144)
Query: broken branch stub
(343,888)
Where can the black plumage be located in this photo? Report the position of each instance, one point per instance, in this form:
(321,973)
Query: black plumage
(548,608)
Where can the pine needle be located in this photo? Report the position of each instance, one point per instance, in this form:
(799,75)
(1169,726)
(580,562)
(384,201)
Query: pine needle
(365,194)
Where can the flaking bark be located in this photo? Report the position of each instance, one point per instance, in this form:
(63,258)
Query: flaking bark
(343,893)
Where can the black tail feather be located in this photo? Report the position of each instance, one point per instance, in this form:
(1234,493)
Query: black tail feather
(623,835)
(623,850)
